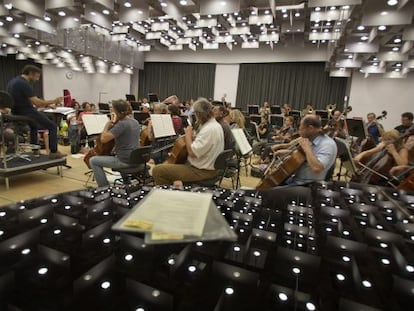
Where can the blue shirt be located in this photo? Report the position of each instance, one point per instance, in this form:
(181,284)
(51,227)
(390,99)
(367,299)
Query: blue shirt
(325,151)
(21,90)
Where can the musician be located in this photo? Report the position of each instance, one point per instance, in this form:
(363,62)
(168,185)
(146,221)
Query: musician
(391,144)
(220,112)
(283,135)
(285,109)
(319,149)
(26,104)
(406,122)
(203,148)
(374,128)
(335,126)
(125,130)
(263,127)
(265,110)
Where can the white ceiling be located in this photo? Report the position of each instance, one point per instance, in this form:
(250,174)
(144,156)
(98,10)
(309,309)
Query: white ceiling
(91,34)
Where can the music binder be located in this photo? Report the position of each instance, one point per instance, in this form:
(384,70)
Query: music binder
(162,125)
(241,141)
(94,123)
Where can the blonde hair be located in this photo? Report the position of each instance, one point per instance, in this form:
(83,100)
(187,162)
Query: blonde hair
(391,134)
(237,117)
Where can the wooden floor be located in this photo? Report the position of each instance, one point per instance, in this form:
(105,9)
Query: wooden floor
(46,182)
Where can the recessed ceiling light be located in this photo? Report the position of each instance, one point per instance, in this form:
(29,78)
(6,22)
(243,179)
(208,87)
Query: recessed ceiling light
(398,64)
(164,4)
(392,2)
(127,4)
(16,35)
(47,18)
(76,19)
(62,13)
(106,12)
(313,41)
(364,38)
(382,27)
(328,24)
(314,30)
(326,30)
(183,2)
(9,18)
(332,8)
(8,6)
(397,40)
(395,49)
(297,14)
(345,7)
(285,15)
(360,27)
(384,13)
(317,9)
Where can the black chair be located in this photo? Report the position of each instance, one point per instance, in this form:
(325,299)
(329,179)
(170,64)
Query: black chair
(138,169)
(346,159)
(6,102)
(224,169)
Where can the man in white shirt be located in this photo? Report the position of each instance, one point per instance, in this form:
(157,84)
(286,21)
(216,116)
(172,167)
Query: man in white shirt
(203,148)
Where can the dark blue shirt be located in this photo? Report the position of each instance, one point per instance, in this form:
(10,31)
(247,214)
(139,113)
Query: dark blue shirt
(21,90)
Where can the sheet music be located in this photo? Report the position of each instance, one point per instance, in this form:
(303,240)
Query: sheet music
(94,123)
(171,212)
(60,110)
(162,125)
(241,141)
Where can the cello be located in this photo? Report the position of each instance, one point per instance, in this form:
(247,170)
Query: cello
(100,149)
(282,168)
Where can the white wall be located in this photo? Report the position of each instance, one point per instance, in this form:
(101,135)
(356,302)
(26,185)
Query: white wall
(83,86)
(375,94)
(225,82)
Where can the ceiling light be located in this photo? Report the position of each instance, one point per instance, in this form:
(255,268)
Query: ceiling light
(382,27)
(183,2)
(164,5)
(384,13)
(326,30)
(364,38)
(328,24)
(127,4)
(313,41)
(9,18)
(285,15)
(76,19)
(316,25)
(395,49)
(223,3)
(8,6)
(398,64)
(297,14)
(332,8)
(106,12)
(317,9)
(62,13)
(360,27)
(1,23)
(16,35)
(267,12)
(47,18)
(350,56)
(93,13)
(392,2)
(345,7)
(397,40)
(313,30)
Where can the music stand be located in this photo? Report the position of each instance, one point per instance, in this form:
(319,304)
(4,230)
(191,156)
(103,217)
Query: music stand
(275,109)
(141,116)
(130,97)
(153,98)
(252,109)
(346,158)
(255,118)
(276,121)
(322,113)
(356,128)
(135,105)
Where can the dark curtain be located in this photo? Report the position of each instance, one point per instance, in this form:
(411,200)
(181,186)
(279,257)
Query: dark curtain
(10,68)
(187,81)
(298,84)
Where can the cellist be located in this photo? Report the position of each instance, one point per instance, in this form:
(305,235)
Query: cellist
(203,147)
(386,154)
